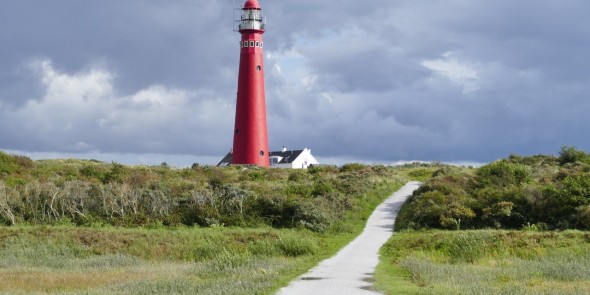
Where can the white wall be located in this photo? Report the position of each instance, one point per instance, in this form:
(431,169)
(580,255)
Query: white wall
(304,160)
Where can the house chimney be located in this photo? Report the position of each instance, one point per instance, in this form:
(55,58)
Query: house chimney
(284,149)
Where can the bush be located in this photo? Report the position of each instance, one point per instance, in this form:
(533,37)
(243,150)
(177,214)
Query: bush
(505,194)
(91,171)
(583,216)
(92,192)
(503,173)
(13,163)
(116,173)
(569,154)
(353,167)
(281,211)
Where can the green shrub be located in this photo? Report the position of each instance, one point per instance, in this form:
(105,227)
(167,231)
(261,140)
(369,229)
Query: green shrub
(91,192)
(115,174)
(10,164)
(281,211)
(576,189)
(583,217)
(503,173)
(504,194)
(569,154)
(296,175)
(438,204)
(322,187)
(92,171)
(351,167)
(257,174)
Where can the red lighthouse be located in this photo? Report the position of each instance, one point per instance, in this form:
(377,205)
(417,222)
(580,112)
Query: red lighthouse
(250,132)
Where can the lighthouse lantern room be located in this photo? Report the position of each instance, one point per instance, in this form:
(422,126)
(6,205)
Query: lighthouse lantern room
(251,18)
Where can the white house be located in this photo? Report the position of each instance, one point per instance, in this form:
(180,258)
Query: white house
(297,159)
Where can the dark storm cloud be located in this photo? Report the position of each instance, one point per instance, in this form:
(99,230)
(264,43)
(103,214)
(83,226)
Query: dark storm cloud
(185,46)
(375,80)
(178,43)
(503,77)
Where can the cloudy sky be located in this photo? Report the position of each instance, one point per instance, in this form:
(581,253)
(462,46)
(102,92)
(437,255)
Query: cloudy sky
(380,81)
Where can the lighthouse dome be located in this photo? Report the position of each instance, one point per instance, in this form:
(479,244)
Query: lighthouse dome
(252,4)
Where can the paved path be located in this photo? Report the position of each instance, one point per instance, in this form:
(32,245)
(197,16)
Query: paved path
(349,272)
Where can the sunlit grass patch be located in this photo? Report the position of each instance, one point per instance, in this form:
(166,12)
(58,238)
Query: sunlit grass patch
(519,277)
(72,260)
(488,262)
(35,280)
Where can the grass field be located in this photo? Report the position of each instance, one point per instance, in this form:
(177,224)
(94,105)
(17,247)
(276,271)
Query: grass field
(486,262)
(70,260)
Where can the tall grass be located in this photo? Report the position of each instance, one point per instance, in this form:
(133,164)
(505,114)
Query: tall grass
(73,260)
(156,261)
(491,262)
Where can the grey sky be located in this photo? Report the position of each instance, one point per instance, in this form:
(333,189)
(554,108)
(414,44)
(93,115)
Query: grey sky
(380,81)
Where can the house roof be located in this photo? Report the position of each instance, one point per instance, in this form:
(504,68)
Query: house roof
(287,157)
(226,161)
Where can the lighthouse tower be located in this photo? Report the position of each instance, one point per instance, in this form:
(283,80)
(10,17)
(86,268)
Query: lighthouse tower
(250,132)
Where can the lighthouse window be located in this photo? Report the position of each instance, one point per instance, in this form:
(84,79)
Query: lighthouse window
(257,44)
(258,68)
(237,131)
(261,44)
(262,153)
(251,43)
(245,44)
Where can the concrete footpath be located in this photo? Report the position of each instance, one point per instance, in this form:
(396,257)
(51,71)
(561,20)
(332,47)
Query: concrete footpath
(351,270)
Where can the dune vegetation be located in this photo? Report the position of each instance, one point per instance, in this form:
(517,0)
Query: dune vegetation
(91,193)
(544,192)
(515,226)
(88,227)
